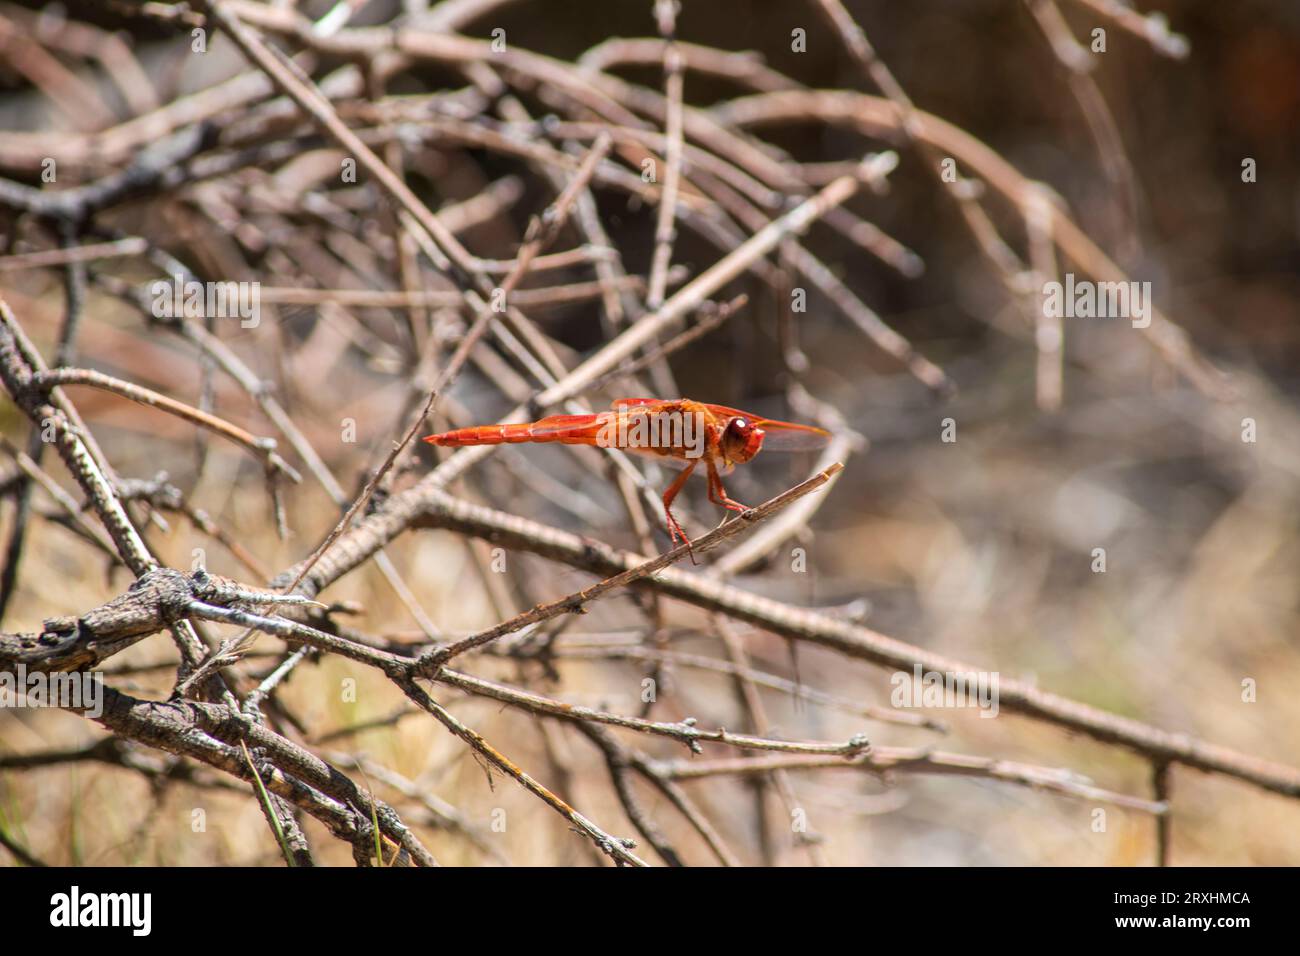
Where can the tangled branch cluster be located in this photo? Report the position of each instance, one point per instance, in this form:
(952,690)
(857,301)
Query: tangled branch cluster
(305,171)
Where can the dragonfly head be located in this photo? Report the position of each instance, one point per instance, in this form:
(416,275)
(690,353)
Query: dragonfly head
(741,440)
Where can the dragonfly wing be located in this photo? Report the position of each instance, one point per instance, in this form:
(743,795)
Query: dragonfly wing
(632,403)
(570,429)
(787,436)
(725,413)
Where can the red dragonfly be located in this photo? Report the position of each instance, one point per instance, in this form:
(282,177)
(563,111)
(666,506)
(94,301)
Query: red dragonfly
(681,429)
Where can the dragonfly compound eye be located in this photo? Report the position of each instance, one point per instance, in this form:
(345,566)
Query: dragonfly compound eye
(744,439)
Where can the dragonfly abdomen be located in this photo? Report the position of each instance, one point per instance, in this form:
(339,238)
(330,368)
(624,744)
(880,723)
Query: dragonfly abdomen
(567,429)
(483,435)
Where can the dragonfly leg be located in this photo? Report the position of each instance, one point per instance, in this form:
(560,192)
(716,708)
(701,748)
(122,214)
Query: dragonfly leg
(674,529)
(718,495)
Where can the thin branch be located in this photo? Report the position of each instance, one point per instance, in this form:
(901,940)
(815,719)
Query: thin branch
(262,448)
(896,760)
(685,731)
(575,603)
(674,70)
(618,849)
